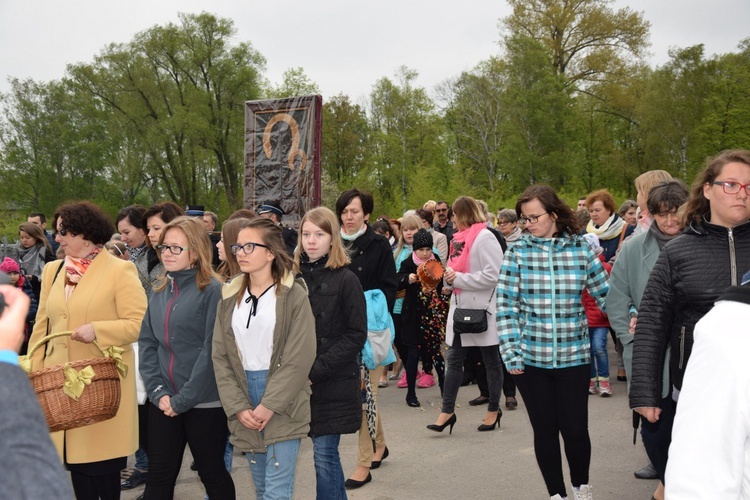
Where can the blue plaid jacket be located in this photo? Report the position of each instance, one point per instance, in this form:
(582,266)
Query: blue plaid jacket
(540,317)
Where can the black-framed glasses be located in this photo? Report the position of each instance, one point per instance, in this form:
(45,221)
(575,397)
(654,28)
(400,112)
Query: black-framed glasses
(174,249)
(504,222)
(247,248)
(732,187)
(441,210)
(532,219)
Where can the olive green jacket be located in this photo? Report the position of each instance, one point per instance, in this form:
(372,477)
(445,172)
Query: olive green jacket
(287,391)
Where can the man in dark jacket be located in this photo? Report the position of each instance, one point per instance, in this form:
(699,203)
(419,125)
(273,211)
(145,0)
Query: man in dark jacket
(274,212)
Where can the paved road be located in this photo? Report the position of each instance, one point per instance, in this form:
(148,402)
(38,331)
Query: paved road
(467,464)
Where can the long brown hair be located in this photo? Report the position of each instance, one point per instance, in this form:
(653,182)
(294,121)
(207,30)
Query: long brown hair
(270,235)
(229,231)
(565,219)
(35,232)
(199,246)
(326,220)
(697,205)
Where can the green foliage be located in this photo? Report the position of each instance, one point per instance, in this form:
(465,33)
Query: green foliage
(566,101)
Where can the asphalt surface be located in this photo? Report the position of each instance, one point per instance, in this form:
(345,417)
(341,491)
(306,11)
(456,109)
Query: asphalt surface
(467,464)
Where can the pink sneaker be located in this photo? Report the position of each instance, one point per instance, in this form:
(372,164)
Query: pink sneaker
(402,384)
(427,380)
(605,390)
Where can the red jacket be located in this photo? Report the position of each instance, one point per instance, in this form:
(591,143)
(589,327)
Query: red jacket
(594,315)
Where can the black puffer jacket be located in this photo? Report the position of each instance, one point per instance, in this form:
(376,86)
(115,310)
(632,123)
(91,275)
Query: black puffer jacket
(338,305)
(372,263)
(689,275)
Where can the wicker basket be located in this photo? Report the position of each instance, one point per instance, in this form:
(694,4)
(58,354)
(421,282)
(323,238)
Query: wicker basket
(99,400)
(430,273)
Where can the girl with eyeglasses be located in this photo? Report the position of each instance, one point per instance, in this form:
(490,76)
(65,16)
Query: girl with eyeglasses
(691,272)
(543,333)
(263,349)
(175,362)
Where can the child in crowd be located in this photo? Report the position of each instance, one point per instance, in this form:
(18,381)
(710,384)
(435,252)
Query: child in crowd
(598,331)
(423,318)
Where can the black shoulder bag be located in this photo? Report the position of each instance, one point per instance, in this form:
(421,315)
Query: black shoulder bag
(470,320)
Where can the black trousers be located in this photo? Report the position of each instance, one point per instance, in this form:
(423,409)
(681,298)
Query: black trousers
(658,436)
(557,403)
(97,480)
(205,430)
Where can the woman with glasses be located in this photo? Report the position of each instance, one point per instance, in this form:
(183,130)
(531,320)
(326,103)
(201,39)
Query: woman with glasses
(544,336)
(99,298)
(507,223)
(264,347)
(175,363)
(692,270)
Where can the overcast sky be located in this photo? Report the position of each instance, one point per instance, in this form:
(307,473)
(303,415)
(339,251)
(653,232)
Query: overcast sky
(343,45)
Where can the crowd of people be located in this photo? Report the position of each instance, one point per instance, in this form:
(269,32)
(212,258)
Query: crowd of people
(255,337)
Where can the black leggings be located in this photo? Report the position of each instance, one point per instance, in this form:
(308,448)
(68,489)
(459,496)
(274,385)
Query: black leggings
(205,430)
(557,403)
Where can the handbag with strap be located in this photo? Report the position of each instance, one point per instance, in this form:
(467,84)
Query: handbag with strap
(470,320)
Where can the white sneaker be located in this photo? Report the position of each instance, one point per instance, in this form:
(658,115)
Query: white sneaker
(583,492)
(558,497)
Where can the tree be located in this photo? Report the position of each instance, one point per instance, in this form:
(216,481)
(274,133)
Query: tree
(181,90)
(346,142)
(295,83)
(406,136)
(586,40)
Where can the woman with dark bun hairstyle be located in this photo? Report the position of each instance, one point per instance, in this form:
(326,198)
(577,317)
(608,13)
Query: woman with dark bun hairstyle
(98,297)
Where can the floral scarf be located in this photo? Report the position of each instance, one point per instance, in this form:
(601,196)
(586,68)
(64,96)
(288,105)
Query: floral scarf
(75,269)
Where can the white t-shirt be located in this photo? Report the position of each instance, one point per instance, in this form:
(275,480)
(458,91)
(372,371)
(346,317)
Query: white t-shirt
(253,324)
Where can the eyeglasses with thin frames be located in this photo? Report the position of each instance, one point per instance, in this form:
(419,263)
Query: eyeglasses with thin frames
(532,219)
(174,249)
(732,187)
(247,248)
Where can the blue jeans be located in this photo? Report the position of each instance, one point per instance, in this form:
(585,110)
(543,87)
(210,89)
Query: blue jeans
(273,471)
(599,357)
(329,474)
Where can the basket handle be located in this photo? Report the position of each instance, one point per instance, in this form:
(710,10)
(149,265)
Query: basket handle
(114,352)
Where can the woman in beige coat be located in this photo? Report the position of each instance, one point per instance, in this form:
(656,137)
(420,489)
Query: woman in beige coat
(98,297)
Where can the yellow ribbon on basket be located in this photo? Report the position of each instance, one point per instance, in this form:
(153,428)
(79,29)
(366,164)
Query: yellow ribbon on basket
(76,381)
(25,363)
(115,352)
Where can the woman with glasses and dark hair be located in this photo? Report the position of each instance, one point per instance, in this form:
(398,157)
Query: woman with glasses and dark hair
(544,336)
(263,349)
(175,362)
(692,270)
(98,297)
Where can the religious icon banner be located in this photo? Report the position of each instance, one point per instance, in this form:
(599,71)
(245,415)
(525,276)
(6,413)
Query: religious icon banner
(282,154)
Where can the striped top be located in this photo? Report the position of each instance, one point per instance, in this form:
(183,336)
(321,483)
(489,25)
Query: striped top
(541,321)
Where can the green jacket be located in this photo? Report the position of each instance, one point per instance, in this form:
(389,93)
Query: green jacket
(626,285)
(287,387)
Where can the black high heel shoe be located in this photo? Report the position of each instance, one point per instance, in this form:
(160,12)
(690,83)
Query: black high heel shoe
(491,427)
(440,428)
